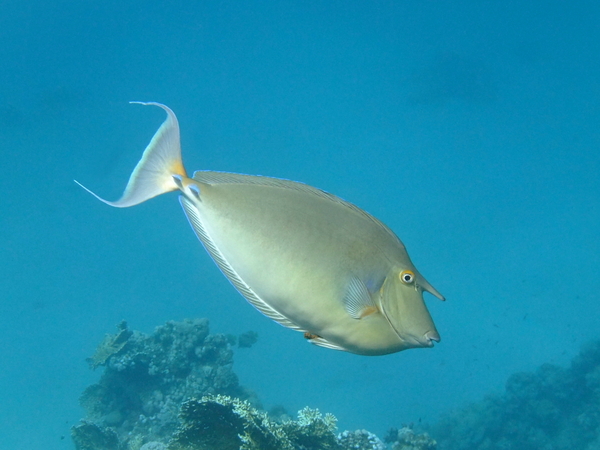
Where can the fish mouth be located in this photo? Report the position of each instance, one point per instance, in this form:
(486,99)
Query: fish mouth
(425,340)
(429,337)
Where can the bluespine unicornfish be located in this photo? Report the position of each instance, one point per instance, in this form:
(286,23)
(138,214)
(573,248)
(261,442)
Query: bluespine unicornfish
(303,257)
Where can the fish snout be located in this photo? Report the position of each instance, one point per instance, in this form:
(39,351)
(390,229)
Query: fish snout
(429,337)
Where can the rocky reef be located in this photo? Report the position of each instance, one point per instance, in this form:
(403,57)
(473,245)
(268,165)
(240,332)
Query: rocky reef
(553,408)
(175,390)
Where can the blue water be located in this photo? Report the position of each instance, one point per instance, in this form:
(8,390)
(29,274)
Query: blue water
(470,128)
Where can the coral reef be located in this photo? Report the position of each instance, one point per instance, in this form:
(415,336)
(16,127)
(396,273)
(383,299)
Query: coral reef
(154,446)
(407,439)
(360,439)
(147,378)
(111,345)
(552,408)
(89,436)
(225,423)
(175,390)
(220,422)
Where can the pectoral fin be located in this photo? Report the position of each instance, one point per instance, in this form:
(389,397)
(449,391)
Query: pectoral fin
(358,301)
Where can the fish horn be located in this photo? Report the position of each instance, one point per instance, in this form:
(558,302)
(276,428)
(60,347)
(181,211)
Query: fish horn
(426,286)
(154,173)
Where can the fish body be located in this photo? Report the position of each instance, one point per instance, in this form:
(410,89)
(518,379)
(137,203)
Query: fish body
(303,257)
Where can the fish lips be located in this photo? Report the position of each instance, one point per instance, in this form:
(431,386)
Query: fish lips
(430,337)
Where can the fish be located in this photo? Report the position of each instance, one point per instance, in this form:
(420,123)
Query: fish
(303,257)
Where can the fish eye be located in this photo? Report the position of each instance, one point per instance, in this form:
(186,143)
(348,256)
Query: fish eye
(407,276)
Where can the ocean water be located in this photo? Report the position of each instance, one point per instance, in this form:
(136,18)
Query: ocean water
(470,128)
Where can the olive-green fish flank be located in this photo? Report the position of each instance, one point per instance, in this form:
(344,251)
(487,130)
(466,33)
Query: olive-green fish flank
(301,256)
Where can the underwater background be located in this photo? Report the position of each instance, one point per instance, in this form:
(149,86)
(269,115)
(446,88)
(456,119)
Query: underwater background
(470,128)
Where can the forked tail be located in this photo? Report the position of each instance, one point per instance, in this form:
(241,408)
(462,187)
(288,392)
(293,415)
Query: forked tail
(154,173)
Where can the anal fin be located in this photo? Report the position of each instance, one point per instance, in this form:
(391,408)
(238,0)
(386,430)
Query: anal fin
(321,342)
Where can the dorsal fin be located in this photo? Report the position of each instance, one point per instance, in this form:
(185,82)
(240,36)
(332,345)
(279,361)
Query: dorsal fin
(214,177)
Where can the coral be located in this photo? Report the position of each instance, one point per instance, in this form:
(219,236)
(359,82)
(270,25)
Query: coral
(208,424)
(175,390)
(111,345)
(147,378)
(553,408)
(89,436)
(360,440)
(247,339)
(312,431)
(407,439)
(225,423)
(153,446)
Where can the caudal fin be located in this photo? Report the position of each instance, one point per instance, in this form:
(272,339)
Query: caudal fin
(161,160)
